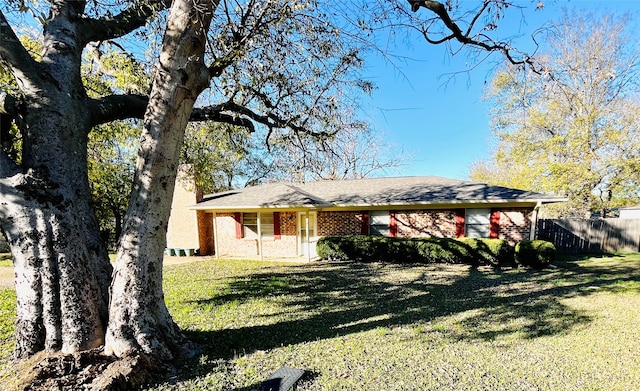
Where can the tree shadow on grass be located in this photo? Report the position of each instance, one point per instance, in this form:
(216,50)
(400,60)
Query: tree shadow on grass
(331,300)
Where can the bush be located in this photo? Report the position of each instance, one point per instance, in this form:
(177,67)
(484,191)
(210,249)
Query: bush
(537,254)
(332,248)
(495,252)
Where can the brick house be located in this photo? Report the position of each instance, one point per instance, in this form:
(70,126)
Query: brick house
(282,220)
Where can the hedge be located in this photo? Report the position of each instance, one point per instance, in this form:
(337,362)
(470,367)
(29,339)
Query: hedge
(495,252)
(537,254)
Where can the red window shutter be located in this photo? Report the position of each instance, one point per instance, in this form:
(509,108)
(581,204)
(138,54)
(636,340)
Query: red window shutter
(276,226)
(238,218)
(364,228)
(494,224)
(393,225)
(460,223)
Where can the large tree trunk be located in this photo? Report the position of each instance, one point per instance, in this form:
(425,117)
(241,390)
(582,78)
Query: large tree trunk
(61,266)
(62,271)
(138,318)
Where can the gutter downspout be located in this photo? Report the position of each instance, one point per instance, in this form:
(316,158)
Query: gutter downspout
(534,221)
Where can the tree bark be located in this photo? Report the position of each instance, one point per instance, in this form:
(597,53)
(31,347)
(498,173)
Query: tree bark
(61,266)
(138,318)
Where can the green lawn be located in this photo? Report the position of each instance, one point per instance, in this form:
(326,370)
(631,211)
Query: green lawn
(372,327)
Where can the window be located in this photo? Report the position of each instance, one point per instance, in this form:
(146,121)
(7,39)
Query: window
(379,223)
(478,223)
(250,225)
(266,224)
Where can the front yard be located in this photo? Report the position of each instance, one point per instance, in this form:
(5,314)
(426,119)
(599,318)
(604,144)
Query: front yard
(378,326)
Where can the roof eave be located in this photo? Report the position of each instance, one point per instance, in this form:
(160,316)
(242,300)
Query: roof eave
(404,205)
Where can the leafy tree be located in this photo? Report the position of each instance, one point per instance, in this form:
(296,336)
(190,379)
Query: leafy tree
(107,69)
(111,163)
(571,126)
(222,156)
(276,64)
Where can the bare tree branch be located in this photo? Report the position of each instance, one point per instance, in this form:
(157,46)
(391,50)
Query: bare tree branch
(136,16)
(466,38)
(115,107)
(211,113)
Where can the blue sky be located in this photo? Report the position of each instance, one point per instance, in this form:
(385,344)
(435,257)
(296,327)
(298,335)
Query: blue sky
(442,127)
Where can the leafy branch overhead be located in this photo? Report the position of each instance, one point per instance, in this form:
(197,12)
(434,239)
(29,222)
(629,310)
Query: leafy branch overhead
(256,74)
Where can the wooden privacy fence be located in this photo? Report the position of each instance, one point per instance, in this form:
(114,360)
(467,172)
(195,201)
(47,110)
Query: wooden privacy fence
(591,235)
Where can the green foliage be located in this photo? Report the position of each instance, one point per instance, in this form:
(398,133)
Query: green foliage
(572,130)
(472,251)
(537,254)
(111,164)
(222,156)
(7,322)
(496,252)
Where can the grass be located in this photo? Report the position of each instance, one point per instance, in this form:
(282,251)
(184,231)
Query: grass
(377,326)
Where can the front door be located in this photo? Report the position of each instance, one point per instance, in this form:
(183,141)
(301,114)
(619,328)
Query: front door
(307,239)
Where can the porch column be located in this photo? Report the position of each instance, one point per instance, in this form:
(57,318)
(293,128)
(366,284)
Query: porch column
(306,223)
(534,221)
(259,237)
(215,236)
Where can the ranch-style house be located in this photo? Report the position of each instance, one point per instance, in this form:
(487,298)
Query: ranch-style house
(285,220)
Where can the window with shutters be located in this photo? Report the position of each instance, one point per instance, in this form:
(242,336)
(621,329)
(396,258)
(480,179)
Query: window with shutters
(250,225)
(478,223)
(379,223)
(266,225)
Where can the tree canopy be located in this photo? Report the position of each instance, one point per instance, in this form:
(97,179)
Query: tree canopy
(571,127)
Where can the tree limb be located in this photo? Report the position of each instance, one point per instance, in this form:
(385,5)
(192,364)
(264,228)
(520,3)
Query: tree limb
(118,107)
(456,32)
(128,20)
(115,107)
(212,113)
(24,68)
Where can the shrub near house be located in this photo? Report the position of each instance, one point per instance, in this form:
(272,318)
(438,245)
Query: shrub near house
(494,252)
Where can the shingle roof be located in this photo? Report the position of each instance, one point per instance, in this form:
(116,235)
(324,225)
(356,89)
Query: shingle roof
(399,191)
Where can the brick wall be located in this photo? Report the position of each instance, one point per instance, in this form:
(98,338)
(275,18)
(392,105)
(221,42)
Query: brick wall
(288,223)
(205,232)
(515,224)
(426,223)
(339,223)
